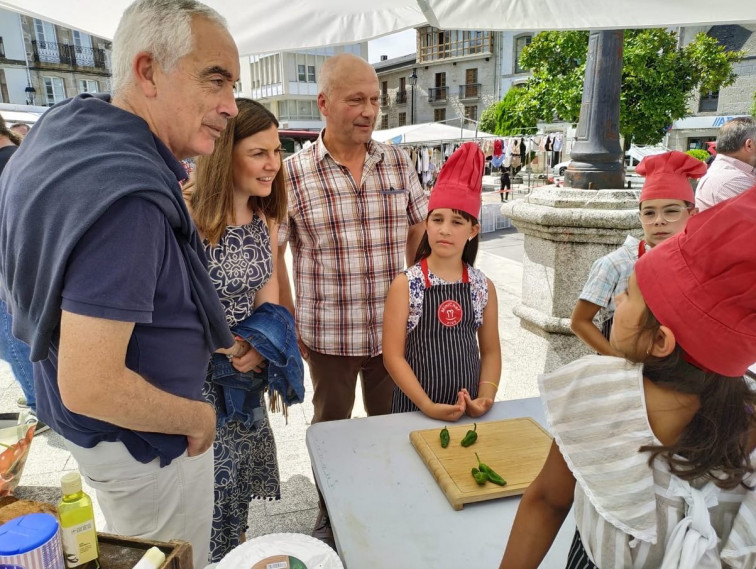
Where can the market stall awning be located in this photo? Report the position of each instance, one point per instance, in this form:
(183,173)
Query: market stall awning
(260,27)
(27,114)
(426,132)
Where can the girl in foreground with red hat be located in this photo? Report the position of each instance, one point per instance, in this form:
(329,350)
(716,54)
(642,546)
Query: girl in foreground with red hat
(655,452)
(440,329)
(666,203)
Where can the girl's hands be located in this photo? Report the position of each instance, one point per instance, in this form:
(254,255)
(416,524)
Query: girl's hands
(475,407)
(443,412)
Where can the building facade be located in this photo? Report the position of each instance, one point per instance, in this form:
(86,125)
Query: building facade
(512,74)
(455,78)
(286,82)
(457,74)
(42,63)
(709,111)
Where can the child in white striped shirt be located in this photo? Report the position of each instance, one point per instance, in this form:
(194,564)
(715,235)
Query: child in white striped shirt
(656,452)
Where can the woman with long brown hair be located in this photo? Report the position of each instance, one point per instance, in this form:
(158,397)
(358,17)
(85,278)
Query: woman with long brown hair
(237,198)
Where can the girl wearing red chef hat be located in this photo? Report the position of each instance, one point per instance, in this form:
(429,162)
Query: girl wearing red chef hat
(655,452)
(666,203)
(440,328)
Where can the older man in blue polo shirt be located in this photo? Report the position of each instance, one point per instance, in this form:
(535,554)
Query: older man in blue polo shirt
(104,273)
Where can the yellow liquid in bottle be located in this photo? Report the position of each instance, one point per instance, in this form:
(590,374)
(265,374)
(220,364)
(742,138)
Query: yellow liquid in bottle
(78,532)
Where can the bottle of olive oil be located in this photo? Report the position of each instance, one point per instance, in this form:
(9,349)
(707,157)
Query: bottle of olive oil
(77,525)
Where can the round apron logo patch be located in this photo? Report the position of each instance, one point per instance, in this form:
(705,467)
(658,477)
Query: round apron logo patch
(450,313)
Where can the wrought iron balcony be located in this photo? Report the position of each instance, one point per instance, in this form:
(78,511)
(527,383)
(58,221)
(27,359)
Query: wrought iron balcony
(469,91)
(384,99)
(401,97)
(65,54)
(438,94)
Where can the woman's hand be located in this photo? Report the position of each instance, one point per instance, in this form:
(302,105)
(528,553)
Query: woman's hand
(239,348)
(476,407)
(245,358)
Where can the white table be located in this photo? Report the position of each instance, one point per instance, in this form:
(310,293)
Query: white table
(387,510)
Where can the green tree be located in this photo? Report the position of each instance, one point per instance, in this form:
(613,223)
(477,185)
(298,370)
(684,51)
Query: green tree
(753,108)
(487,121)
(504,118)
(658,78)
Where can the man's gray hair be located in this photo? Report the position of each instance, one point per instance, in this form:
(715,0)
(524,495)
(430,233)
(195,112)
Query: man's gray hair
(734,133)
(160,27)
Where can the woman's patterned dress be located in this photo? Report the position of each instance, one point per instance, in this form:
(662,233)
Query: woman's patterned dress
(246,467)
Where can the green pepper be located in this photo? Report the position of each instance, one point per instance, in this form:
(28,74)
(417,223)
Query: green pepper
(480,477)
(470,437)
(444,437)
(490,473)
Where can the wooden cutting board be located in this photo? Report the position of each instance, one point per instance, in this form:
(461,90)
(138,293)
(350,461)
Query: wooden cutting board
(515,448)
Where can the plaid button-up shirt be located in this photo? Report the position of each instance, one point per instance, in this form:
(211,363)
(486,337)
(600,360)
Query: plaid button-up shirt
(348,243)
(609,276)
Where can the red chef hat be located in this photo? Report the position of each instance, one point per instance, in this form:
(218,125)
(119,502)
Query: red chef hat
(700,283)
(667,176)
(460,182)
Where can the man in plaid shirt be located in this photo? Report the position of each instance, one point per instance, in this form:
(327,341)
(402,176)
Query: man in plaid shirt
(356,212)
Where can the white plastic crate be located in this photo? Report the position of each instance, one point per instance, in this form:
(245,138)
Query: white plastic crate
(491,218)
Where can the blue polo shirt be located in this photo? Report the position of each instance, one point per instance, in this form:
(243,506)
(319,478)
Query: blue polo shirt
(92,221)
(128,267)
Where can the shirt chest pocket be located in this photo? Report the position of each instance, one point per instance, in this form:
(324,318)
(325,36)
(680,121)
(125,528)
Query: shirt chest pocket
(391,204)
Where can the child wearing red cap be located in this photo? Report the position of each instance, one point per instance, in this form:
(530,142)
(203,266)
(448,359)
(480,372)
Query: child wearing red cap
(666,204)
(440,329)
(656,453)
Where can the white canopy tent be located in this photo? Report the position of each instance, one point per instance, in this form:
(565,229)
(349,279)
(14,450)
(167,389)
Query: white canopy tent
(260,27)
(426,132)
(27,114)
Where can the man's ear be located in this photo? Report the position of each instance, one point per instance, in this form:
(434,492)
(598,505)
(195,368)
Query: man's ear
(322,104)
(664,343)
(145,69)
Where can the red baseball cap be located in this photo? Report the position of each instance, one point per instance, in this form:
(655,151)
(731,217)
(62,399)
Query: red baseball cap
(667,176)
(701,283)
(460,182)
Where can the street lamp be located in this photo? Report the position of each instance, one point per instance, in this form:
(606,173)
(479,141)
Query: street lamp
(30,92)
(412,81)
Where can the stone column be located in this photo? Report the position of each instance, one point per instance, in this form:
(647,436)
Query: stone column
(566,230)
(597,154)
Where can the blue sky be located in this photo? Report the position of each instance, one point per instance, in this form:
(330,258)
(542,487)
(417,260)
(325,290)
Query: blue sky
(393,45)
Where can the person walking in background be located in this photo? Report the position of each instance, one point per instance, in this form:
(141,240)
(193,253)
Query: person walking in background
(441,327)
(355,212)
(237,198)
(733,170)
(665,206)
(655,451)
(506,184)
(104,273)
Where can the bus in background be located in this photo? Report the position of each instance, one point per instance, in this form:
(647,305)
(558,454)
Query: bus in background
(292,141)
